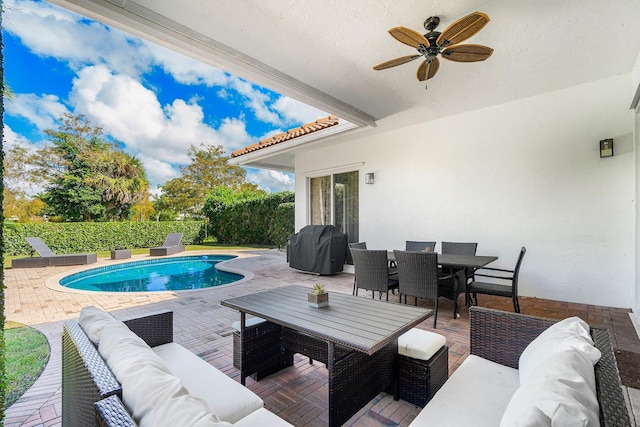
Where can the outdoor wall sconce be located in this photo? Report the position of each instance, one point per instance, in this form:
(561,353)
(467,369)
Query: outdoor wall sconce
(606,147)
(368,178)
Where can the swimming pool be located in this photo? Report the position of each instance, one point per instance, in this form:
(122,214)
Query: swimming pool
(163,274)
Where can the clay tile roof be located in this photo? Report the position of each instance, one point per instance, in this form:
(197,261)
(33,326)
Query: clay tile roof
(303,130)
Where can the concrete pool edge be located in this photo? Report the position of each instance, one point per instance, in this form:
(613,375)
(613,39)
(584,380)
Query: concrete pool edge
(53,282)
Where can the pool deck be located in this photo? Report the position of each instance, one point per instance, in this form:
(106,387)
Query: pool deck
(298,394)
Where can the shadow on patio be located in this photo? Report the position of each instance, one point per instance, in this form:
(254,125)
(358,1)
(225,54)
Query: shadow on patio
(297,394)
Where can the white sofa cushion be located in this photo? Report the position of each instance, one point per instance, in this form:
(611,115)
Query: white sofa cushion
(477,394)
(262,417)
(420,344)
(225,397)
(562,403)
(562,386)
(154,396)
(568,333)
(93,320)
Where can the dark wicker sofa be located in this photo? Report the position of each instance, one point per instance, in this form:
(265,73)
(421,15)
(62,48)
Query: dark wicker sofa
(92,395)
(501,337)
(86,378)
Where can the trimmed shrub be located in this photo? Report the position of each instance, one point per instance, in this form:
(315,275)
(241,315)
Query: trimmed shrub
(257,221)
(80,237)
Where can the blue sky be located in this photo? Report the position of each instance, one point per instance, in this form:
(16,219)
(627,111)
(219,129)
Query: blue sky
(155,101)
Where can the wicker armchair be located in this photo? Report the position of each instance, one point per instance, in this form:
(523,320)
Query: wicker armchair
(358,245)
(418,246)
(461,248)
(508,287)
(419,277)
(372,271)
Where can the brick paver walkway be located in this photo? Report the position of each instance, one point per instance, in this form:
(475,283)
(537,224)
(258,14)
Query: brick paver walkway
(298,394)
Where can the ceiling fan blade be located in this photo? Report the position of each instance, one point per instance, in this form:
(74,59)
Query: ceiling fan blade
(427,69)
(467,53)
(462,29)
(408,36)
(397,61)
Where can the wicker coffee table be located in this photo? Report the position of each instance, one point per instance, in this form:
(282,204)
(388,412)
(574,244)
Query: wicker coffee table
(355,336)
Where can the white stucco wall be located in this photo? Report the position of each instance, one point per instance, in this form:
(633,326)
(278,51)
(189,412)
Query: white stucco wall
(525,173)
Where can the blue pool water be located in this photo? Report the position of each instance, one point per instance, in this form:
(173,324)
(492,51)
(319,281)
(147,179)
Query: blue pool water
(162,274)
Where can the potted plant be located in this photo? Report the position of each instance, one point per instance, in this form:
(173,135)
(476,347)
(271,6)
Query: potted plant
(318,297)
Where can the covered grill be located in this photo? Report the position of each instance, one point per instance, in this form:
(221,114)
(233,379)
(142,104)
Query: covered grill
(320,249)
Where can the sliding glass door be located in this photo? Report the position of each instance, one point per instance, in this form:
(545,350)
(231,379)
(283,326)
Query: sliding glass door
(334,201)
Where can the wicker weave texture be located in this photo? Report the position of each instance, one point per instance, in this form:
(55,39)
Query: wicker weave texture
(357,378)
(312,347)
(111,412)
(501,337)
(260,351)
(85,377)
(154,329)
(419,380)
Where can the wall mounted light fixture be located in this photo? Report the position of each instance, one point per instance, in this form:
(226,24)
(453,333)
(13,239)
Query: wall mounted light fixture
(606,147)
(368,178)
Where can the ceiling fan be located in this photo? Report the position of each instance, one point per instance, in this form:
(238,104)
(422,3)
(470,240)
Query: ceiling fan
(434,43)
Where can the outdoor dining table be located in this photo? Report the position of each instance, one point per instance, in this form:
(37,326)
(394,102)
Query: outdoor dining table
(455,260)
(358,338)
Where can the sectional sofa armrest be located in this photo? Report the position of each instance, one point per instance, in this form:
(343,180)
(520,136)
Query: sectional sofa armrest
(502,336)
(613,407)
(86,378)
(154,329)
(111,412)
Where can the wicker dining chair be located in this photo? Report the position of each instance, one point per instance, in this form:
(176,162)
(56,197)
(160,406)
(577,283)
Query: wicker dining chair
(419,277)
(505,286)
(357,245)
(461,248)
(418,246)
(372,273)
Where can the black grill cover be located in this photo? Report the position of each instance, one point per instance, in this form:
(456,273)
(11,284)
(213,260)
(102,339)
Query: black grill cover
(320,249)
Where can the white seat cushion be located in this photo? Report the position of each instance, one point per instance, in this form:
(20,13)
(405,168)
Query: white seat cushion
(262,417)
(477,394)
(249,322)
(225,397)
(154,396)
(419,344)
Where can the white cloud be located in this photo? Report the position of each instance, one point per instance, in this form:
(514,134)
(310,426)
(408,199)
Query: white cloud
(272,181)
(295,111)
(158,172)
(132,114)
(50,31)
(41,110)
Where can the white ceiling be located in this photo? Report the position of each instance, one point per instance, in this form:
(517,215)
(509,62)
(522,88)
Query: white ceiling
(322,52)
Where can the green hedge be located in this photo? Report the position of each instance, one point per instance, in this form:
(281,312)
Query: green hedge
(268,220)
(80,237)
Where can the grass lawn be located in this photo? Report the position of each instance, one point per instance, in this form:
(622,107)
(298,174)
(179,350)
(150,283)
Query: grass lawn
(27,353)
(141,251)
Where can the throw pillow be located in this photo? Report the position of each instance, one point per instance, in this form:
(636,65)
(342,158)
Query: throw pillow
(92,320)
(568,333)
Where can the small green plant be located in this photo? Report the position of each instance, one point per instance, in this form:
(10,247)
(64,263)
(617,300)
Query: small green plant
(318,289)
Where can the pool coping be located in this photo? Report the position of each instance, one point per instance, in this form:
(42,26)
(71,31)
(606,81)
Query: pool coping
(53,282)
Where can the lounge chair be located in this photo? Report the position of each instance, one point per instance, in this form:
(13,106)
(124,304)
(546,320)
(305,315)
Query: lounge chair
(171,246)
(48,258)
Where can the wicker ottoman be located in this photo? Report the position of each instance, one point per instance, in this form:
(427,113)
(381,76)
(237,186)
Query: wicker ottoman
(264,348)
(423,365)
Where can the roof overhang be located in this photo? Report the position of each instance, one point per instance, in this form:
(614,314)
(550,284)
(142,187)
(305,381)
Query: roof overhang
(281,156)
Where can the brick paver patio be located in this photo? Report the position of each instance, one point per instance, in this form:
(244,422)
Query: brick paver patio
(298,394)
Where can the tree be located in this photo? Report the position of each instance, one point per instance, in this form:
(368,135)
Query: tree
(209,168)
(88,177)
(17,204)
(143,211)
